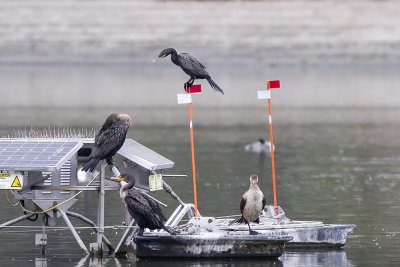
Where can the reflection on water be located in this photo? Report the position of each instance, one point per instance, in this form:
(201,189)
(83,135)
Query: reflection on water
(242,262)
(317,258)
(298,259)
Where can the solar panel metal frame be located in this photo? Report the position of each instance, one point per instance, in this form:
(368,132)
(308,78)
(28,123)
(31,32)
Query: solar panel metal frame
(54,166)
(144,156)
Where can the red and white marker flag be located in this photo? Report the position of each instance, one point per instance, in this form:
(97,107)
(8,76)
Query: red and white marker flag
(266,94)
(187,97)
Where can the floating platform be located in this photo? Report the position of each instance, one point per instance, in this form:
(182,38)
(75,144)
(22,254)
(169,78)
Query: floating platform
(208,237)
(306,234)
(209,245)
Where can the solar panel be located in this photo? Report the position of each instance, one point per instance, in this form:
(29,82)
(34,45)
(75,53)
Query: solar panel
(36,154)
(144,156)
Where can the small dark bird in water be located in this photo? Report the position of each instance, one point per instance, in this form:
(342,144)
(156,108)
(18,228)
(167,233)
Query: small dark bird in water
(191,66)
(146,212)
(108,140)
(251,205)
(261,146)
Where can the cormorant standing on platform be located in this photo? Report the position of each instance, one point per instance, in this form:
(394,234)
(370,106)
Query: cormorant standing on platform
(108,140)
(146,212)
(251,205)
(191,66)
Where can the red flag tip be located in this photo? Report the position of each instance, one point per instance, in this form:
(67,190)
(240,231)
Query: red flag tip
(195,89)
(274,84)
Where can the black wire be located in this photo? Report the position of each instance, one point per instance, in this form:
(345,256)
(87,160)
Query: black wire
(34,215)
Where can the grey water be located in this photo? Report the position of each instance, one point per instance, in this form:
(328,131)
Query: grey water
(336,132)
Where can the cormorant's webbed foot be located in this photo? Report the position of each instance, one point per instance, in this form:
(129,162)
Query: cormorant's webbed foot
(251,231)
(187,84)
(139,232)
(110,161)
(254,232)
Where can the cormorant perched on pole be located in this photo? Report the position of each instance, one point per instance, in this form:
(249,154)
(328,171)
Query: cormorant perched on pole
(146,212)
(191,66)
(108,140)
(251,205)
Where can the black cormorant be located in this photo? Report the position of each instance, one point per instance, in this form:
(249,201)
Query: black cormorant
(146,212)
(251,205)
(108,140)
(191,66)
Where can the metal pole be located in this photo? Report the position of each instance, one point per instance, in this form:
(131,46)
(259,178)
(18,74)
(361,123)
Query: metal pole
(88,221)
(169,190)
(193,159)
(115,170)
(43,235)
(100,210)
(156,200)
(124,236)
(74,233)
(14,221)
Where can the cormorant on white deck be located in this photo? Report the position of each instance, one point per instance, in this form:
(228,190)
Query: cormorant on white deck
(251,204)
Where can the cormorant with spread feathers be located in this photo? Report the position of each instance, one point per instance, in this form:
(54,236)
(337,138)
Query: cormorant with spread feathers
(108,140)
(191,66)
(146,212)
(251,205)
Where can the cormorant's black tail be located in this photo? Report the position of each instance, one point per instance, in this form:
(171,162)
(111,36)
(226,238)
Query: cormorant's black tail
(90,165)
(215,86)
(241,220)
(238,220)
(169,230)
(160,225)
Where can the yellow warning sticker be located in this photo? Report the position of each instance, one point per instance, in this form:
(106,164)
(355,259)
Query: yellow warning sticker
(11,180)
(16,182)
(155,182)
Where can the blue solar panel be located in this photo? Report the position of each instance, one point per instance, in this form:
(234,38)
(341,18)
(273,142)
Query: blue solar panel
(36,154)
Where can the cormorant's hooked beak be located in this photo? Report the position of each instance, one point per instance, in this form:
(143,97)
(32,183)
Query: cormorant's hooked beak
(158,58)
(119,178)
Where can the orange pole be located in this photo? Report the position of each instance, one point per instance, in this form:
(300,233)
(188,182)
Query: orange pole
(272,152)
(193,161)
